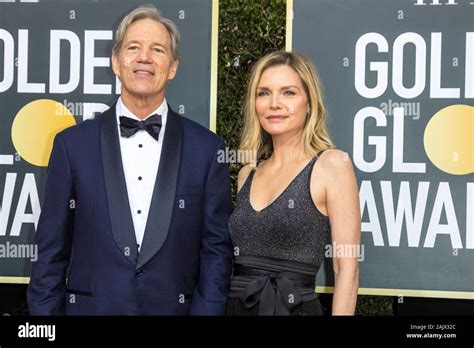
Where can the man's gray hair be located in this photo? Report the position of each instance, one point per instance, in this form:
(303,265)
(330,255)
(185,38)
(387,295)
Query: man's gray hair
(147,12)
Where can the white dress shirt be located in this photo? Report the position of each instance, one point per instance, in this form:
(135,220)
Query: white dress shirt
(140,159)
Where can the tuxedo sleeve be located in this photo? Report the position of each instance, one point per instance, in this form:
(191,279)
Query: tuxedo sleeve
(211,293)
(46,291)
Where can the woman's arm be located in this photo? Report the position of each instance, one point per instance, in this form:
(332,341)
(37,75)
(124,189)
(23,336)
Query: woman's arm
(342,203)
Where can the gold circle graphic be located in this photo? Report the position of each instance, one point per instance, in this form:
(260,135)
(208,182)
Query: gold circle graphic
(34,129)
(449,141)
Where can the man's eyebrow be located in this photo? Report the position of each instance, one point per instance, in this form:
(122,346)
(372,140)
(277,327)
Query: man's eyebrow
(138,42)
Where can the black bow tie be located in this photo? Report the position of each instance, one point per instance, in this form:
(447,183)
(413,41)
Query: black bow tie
(129,126)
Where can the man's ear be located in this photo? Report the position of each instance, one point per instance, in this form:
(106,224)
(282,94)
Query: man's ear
(115,65)
(173,69)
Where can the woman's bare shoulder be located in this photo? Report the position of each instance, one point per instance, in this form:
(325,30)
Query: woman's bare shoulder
(333,165)
(333,161)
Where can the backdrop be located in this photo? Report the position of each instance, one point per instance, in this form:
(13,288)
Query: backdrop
(55,72)
(399,85)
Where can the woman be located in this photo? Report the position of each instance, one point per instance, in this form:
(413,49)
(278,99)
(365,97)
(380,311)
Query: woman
(301,194)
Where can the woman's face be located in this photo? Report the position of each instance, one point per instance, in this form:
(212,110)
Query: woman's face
(281,102)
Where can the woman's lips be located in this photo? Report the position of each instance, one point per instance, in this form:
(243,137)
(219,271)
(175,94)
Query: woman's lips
(276,118)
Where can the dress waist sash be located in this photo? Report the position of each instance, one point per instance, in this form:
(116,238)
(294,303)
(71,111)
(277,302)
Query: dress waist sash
(277,285)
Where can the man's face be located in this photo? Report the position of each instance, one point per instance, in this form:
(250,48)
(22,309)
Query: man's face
(145,63)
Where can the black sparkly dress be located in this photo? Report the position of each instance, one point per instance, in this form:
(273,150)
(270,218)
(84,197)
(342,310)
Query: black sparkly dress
(279,251)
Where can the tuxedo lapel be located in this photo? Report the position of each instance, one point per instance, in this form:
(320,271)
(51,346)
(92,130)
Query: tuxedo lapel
(162,203)
(116,187)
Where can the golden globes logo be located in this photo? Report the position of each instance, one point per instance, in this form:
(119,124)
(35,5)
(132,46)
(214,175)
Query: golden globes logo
(447,141)
(34,129)
(36,124)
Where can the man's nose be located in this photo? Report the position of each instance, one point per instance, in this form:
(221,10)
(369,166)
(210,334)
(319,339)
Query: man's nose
(144,56)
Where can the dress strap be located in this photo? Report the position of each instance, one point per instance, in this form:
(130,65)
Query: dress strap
(315,158)
(319,154)
(248,182)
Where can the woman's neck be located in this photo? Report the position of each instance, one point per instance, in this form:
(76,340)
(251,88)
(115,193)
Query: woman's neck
(287,148)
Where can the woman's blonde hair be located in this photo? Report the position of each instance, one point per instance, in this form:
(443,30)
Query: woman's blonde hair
(315,133)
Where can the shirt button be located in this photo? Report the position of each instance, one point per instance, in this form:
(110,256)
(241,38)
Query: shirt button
(139,178)
(139,272)
(140,145)
(139,211)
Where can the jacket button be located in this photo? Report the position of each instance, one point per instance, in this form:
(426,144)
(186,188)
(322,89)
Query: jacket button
(139,272)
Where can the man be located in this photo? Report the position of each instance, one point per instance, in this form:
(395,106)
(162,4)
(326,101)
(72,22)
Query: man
(134,218)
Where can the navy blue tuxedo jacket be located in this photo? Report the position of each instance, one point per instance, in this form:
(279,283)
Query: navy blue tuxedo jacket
(88,260)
